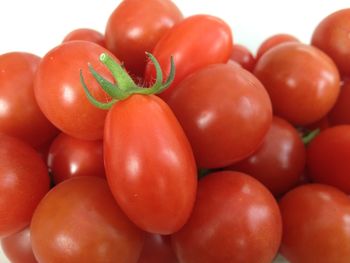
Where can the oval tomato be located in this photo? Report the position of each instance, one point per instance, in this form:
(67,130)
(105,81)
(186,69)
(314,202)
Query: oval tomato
(191,48)
(86,34)
(135,27)
(225,112)
(149,164)
(79,221)
(24,181)
(20,115)
(235,219)
(243,56)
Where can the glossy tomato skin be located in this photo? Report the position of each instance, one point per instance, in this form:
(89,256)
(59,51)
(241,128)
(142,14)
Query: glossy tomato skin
(157,249)
(86,34)
(24,181)
(302,81)
(59,92)
(20,115)
(279,161)
(79,221)
(315,225)
(225,112)
(136,26)
(191,48)
(18,247)
(243,56)
(332,36)
(340,113)
(149,164)
(235,219)
(69,157)
(328,157)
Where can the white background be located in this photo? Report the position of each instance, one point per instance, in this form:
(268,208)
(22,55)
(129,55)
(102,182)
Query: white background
(37,26)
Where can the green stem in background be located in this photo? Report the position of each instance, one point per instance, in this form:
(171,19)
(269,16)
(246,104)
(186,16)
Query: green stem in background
(310,136)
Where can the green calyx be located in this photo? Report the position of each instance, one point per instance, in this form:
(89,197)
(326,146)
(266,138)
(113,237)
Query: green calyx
(124,85)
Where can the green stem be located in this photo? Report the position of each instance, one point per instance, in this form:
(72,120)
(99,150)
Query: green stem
(310,136)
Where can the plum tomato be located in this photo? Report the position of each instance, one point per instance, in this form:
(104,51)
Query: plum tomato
(243,56)
(86,34)
(340,113)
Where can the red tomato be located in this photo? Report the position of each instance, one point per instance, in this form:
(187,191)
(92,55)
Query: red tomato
(332,36)
(225,112)
(274,41)
(86,34)
(149,164)
(69,157)
(191,47)
(79,221)
(24,181)
(243,56)
(328,157)
(280,161)
(340,113)
(135,27)
(20,115)
(316,225)
(18,247)
(157,249)
(60,94)
(235,219)
(302,81)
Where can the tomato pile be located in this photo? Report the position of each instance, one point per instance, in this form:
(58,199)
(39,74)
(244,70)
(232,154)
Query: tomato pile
(164,141)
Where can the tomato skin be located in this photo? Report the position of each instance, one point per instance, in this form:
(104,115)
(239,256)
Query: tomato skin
(191,48)
(24,181)
(302,81)
(86,34)
(69,157)
(149,164)
(243,56)
(60,94)
(332,36)
(235,219)
(328,157)
(315,225)
(20,115)
(279,161)
(79,221)
(18,247)
(340,113)
(136,26)
(209,103)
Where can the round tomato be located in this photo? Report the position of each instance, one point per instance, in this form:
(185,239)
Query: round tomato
(18,247)
(24,181)
(340,113)
(302,81)
(59,92)
(243,56)
(136,26)
(225,112)
(235,219)
(315,225)
(194,43)
(86,34)
(20,115)
(79,221)
(280,161)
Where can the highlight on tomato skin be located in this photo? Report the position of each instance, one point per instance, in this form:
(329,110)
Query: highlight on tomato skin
(243,56)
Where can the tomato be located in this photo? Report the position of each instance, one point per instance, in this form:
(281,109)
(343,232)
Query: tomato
(69,157)
(60,95)
(332,36)
(235,219)
(315,225)
(340,113)
(243,56)
(328,157)
(272,41)
(191,47)
(136,26)
(20,115)
(24,181)
(18,247)
(149,164)
(86,34)
(79,221)
(225,112)
(302,81)
(157,249)
(280,160)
